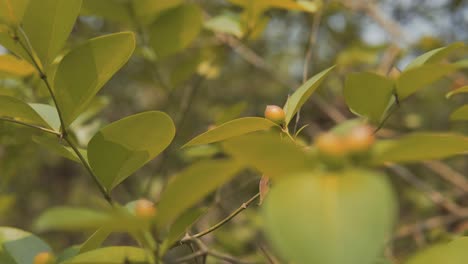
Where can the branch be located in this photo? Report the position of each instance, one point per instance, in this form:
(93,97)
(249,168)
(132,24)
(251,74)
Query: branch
(43,129)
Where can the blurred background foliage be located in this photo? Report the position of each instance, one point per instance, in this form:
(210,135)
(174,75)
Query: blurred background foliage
(206,62)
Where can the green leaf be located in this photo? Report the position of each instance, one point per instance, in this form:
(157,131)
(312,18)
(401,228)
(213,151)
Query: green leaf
(47,24)
(109,9)
(463,89)
(21,246)
(191,185)
(454,253)
(95,240)
(228,22)
(415,79)
(434,56)
(85,70)
(175,30)
(234,128)
(111,255)
(368,94)
(420,146)
(318,217)
(12,11)
(261,5)
(10,66)
(49,114)
(6,40)
(53,145)
(302,94)
(460,114)
(148,10)
(12,108)
(121,148)
(181,226)
(272,155)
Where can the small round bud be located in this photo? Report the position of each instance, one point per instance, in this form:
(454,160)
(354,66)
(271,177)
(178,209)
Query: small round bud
(145,209)
(330,144)
(360,139)
(44,258)
(275,113)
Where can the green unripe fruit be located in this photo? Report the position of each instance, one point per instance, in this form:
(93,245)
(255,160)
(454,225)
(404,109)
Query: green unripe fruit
(44,258)
(330,218)
(275,114)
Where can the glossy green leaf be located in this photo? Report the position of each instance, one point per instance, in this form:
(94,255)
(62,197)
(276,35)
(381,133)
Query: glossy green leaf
(302,94)
(111,255)
(434,56)
(339,217)
(12,108)
(272,155)
(148,10)
(460,90)
(49,114)
(415,79)
(47,24)
(12,11)
(191,185)
(121,148)
(233,128)
(20,246)
(95,240)
(368,94)
(460,114)
(454,253)
(181,226)
(175,30)
(229,23)
(109,9)
(420,146)
(85,70)
(6,40)
(53,145)
(11,66)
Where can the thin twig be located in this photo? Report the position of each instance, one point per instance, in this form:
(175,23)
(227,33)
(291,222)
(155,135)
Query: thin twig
(224,221)
(43,129)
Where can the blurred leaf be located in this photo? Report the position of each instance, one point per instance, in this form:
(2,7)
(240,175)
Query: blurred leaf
(415,79)
(21,246)
(368,94)
(454,253)
(230,113)
(47,24)
(95,240)
(12,108)
(420,146)
(85,70)
(227,22)
(315,217)
(109,9)
(269,153)
(68,253)
(264,187)
(11,66)
(53,144)
(181,226)
(261,5)
(302,94)
(147,10)
(191,185)
(12,11)
(463,89)
(460,114)
(174,30)
(231,129)
(96,106)
(121,148)
(49,114)
(111,255)
(434,56)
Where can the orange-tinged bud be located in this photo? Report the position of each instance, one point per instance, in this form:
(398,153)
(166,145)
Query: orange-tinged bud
(275,113)
(360,139)
(330,144)
(145,209)
(44,258)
